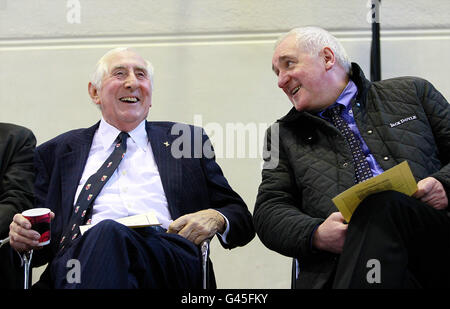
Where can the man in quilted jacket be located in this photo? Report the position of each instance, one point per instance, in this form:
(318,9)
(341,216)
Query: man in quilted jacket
(393,240)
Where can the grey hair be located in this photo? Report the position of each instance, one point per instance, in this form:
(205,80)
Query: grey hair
(313,39)
(102,67)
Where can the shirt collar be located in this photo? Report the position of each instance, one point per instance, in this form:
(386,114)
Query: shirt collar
(139,136)
(348,94)
(109,134)
(345,98)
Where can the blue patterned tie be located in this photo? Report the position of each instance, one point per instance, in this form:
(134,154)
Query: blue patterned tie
(91,189)
(362,168)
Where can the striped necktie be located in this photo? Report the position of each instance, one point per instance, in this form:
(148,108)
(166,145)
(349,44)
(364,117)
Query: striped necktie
(91,189)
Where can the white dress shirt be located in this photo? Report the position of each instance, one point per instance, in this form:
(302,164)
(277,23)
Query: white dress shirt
(135,187)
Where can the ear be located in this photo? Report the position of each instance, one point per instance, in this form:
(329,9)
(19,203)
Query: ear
(328,57)
(93,93)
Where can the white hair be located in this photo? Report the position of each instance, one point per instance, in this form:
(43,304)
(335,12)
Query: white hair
(102,67)
(313,39)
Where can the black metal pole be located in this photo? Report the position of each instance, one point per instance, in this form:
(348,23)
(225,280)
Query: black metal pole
(375,55)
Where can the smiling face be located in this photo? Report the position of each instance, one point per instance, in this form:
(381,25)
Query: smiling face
(303,77)
(125,95)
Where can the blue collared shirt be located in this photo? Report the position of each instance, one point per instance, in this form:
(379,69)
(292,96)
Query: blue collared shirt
(345,99)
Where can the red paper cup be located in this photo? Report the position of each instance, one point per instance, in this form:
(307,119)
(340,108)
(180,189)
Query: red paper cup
(40,222)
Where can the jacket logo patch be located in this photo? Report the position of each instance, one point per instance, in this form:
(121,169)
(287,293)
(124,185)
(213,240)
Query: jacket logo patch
(402,121)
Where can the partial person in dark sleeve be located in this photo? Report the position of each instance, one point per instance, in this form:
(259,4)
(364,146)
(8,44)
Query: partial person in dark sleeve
(17,146)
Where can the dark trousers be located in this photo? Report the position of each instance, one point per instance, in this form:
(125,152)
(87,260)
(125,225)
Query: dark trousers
(111,255)
(395,241)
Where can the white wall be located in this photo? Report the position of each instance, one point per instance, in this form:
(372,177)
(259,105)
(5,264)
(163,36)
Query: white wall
(212,61)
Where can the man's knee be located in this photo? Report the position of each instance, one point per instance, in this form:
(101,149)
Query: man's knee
(108,225)
(106,230)
(398,209)
(386,206)
(384,197)
(389,201)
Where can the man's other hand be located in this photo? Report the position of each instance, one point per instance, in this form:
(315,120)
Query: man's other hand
(431,192)
(330,235)
(198,226)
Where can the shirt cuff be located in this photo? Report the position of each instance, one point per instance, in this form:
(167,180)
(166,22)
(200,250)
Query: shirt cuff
(227,229)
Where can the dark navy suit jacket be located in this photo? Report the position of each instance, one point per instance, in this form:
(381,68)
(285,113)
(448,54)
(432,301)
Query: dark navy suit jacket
(191,183)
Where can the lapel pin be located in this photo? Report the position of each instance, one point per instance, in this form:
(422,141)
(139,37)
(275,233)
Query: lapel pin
(166,144)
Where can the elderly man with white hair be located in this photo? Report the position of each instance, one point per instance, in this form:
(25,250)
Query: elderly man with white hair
(123,166)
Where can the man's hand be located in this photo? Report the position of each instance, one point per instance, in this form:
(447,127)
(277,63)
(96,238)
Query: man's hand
(198,226)
(21,236)
(330,235)
(431,192)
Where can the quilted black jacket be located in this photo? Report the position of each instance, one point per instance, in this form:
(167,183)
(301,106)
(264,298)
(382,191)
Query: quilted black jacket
(400,119)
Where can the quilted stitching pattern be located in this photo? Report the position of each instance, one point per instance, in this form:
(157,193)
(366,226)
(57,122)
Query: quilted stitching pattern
(400,119)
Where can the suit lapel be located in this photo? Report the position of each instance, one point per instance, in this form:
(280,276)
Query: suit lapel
(170,169)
